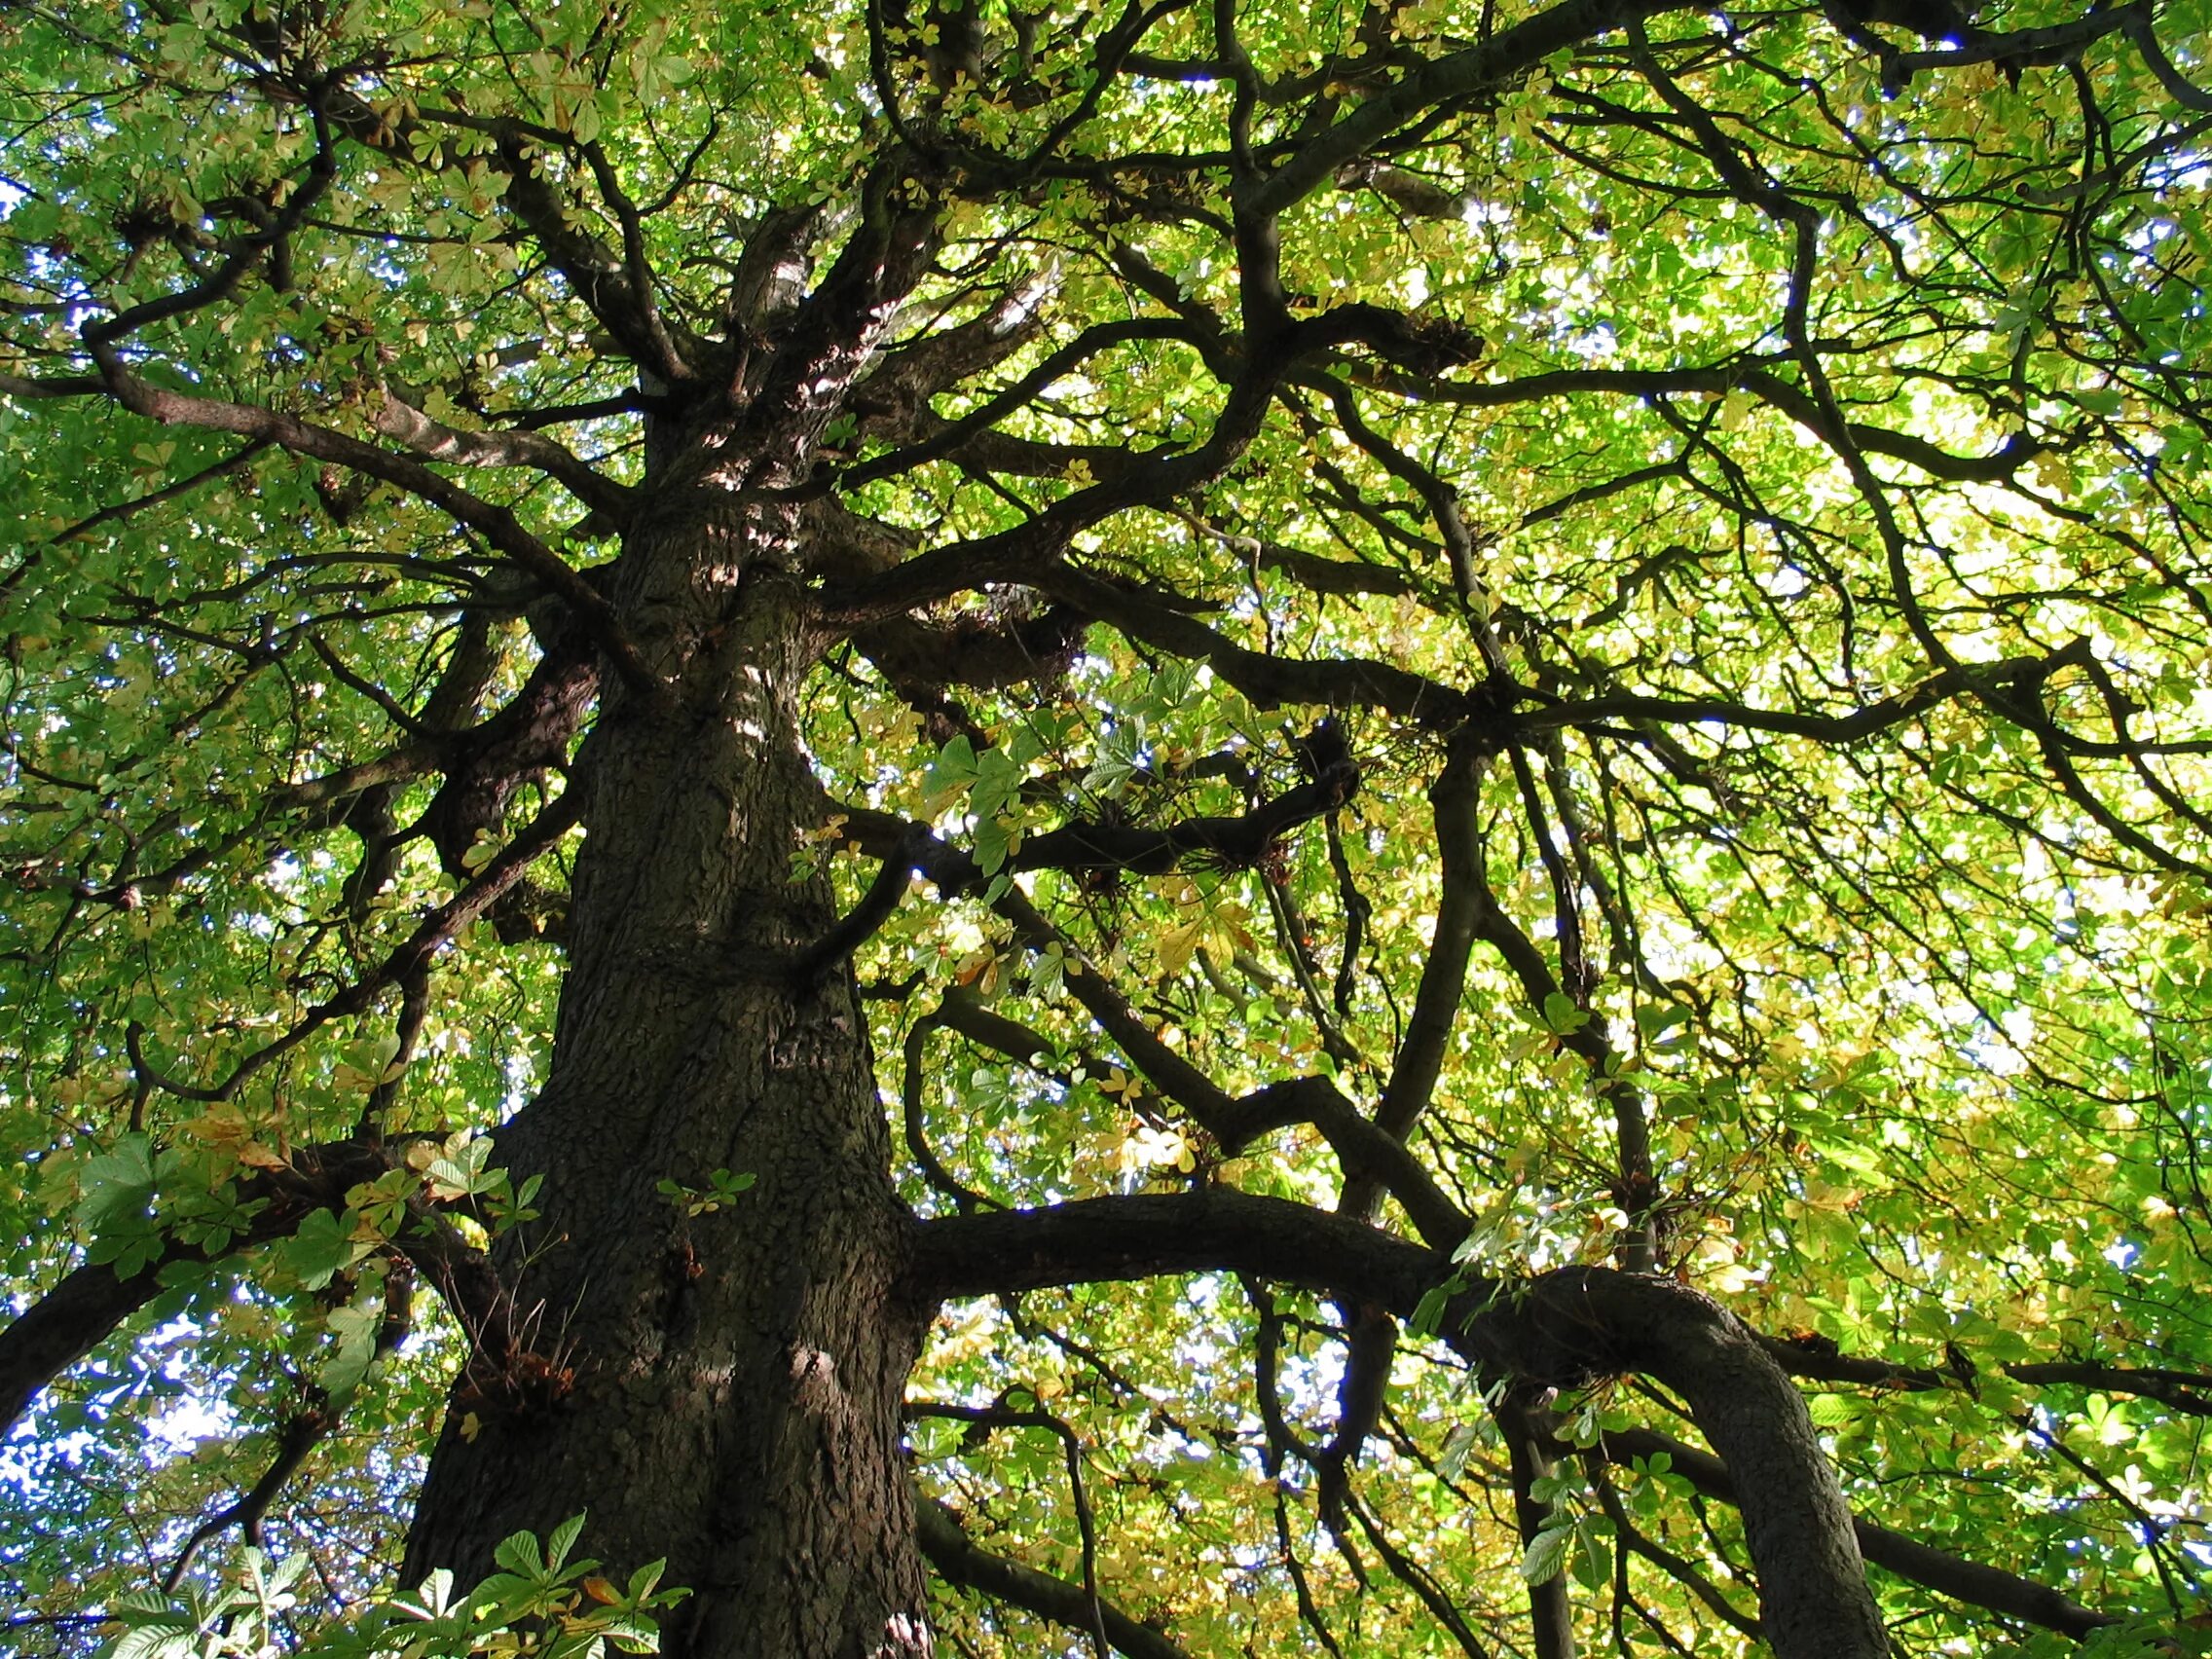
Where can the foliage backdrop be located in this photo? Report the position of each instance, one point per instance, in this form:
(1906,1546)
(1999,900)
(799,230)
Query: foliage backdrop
(1686,679)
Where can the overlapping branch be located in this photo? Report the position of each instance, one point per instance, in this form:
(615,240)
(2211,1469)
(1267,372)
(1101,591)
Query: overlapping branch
(1561,1329)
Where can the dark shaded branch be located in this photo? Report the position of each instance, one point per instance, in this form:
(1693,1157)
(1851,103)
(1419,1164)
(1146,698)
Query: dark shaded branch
(1003,1416)
(1529,1456)
(1372,1158)
(2021,49)
(1269,681)
(1239,841)
(1442,84)
(91,1302)
(1843,731)
(1371,1343)
(1561,1329)
(75,1316)
(1633,1539)
(2189,1393)
(924,657)
(914,1052)
(1409,1572)
(1444,971)
(891,400)
(431,934)
(243,256)
(2137,21)
(496,524)
(959,1560)
(1033,551)
(1207,1230)
(300,1434)
(857,927)
(1987,1587)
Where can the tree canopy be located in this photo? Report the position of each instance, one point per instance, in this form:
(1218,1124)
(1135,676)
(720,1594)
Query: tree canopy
(1184,829)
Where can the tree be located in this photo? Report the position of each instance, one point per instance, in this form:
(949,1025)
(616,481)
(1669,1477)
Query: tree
(1141,830)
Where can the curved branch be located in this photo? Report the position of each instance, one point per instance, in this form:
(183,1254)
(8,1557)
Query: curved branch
(2189,1393)
(496,524)
(1977,1585)
(91,1302)
(1441,84)
(1565,1328)
(1238,841)
(1269,681)
(1144,1236)
(431,934)
(958,1561)
(74,1317)
(404,423)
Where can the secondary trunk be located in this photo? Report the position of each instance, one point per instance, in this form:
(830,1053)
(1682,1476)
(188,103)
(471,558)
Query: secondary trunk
(720,1390)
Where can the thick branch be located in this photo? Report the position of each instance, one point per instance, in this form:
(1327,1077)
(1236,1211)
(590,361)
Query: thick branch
(1239,841)
(1563,1328)
(404,423)
(1447,81)
(1270,681)
(1208,1229)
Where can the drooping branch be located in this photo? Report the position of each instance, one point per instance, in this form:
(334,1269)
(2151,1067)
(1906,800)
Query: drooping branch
(300,1433)
(496,524)
(2188,1392)
(960,1561)
(1267,681)
(1239,841)
(1561,1329)
(617,288)
(298,1436)
(92,1302)
(1441,85)
(1366,1153)
(1636,1541)
(434,932)
(1977,1585)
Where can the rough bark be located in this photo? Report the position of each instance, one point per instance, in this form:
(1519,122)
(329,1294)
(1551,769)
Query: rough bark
(720,1390)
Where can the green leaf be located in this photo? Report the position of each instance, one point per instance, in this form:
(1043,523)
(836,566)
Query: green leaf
(1429,1312)
(562,1540)
(354,1329)
(1592,1555)
(519,1554)
(1547,1552)
(320,1250)
(1561,1018)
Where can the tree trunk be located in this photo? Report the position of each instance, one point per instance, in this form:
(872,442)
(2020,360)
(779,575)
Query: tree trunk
(720,1390)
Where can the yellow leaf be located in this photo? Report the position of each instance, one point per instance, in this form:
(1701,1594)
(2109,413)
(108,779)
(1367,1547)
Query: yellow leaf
(1179,944)
(255,1155)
